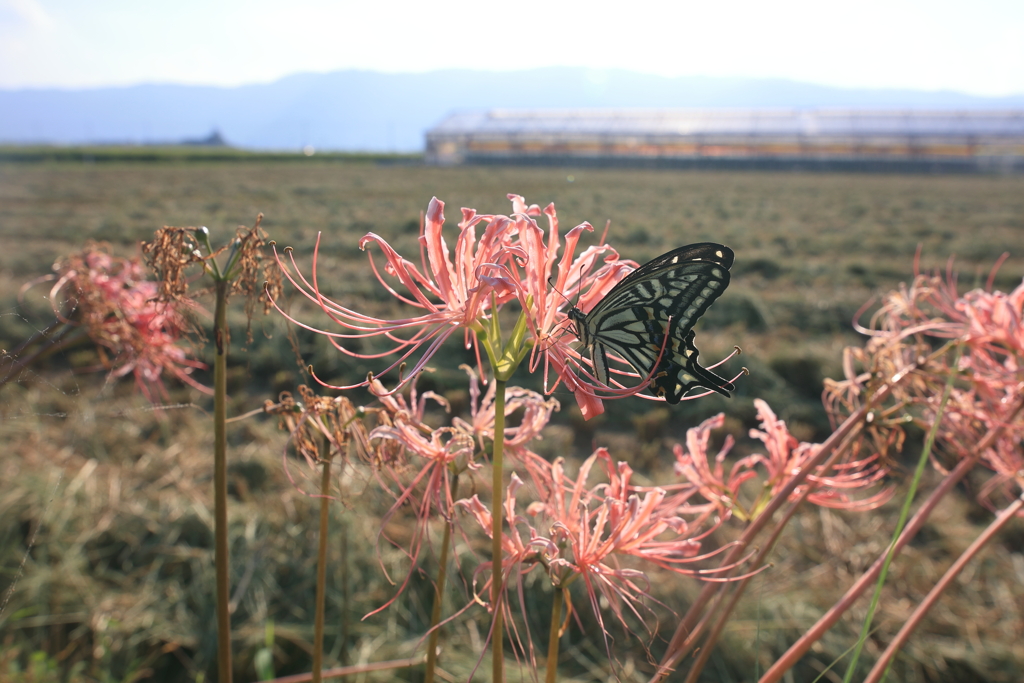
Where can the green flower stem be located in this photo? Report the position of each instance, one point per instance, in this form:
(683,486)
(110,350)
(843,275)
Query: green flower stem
(442,577)
(229,269)
(504,361)
(321,561)
(220,480)
(556,623)
(497,519)
(210,263)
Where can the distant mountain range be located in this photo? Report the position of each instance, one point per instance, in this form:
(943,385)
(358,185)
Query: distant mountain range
(369,111)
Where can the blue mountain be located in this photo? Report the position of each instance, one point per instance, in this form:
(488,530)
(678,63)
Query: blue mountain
(370,111)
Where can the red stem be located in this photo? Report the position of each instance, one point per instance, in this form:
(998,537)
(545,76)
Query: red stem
(800,647)
(351,670)
(723,617)
(882,665)
(685,636)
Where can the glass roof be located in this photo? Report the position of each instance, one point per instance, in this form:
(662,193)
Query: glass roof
(686,123)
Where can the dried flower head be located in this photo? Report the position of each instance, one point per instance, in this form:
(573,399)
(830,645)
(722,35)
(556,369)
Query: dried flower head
(321,425)
(930,330)
(259,278)
(170,254)
(247,270)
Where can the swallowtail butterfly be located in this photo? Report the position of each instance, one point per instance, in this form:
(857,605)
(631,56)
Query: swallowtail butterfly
(664,296)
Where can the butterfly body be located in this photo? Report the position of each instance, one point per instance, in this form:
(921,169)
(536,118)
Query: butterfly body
(663,297)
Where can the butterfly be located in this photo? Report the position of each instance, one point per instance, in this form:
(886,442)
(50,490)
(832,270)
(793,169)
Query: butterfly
(664,296)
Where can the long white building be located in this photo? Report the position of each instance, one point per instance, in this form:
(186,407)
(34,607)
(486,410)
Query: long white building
(897,140)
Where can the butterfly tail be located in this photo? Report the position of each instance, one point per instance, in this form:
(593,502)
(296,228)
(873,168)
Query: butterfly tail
(676,380)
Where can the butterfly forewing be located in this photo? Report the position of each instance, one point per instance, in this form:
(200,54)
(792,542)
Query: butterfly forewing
(664,296)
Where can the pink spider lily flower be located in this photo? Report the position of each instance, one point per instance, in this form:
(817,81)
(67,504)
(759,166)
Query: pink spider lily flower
(621,521)
(607,526)
(786,457)
(121,312)
(968,416)
(536,413)
(581,530)
(548,294)
(989,324)
(995,321)
(437,455)
(993,332)
(993,363)
(455,289)
(694,465)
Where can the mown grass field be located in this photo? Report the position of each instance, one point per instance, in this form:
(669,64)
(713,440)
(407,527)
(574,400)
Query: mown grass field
(112,502)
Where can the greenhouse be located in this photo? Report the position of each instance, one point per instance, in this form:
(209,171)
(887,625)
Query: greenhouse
(968,140)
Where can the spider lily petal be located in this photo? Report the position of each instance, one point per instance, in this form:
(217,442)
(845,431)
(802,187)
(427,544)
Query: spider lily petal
(786,458)
(454,288)
(536,413)
(587,277)
(437,453)
(582,529)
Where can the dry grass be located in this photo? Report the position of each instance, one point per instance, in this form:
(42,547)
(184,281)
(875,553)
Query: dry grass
(120,577)
(117,497)
(811,248)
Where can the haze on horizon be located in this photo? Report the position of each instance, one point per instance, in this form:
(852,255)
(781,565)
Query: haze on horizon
(920,44)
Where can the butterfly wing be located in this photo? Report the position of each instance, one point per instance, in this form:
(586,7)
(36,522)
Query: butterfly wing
(664,296)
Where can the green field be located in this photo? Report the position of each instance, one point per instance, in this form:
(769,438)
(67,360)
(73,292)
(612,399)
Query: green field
(119,576)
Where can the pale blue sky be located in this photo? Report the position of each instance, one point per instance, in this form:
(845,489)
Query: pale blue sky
(975,47)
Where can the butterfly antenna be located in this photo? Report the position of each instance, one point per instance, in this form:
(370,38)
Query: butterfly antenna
(579,286)
(555,289)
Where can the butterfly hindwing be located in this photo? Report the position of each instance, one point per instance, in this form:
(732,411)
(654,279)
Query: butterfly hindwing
(664,296)
(676,379)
